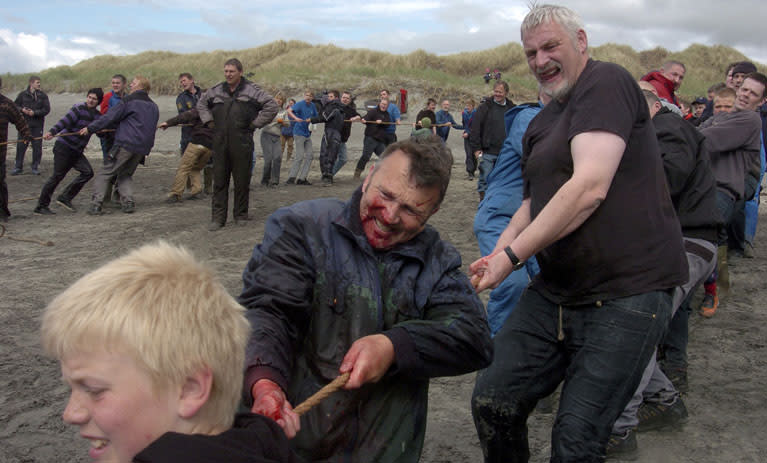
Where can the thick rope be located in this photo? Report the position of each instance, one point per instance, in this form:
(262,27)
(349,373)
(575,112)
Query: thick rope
(322,394)
(25,240)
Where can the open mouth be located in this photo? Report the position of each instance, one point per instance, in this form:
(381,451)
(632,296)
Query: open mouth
(548,73)
(381,226)
(98,447)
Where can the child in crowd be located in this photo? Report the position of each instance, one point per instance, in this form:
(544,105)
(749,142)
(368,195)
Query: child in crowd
(152,347)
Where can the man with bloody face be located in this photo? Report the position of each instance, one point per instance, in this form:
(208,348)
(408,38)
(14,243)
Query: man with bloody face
(365,287)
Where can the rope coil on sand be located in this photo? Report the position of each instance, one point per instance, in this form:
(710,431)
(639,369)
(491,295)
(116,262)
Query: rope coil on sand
(25,240)
(322,394)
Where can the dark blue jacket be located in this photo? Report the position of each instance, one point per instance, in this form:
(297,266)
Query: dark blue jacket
(185,101)
(78,117)
(136,122)
(443,117)
(314,285)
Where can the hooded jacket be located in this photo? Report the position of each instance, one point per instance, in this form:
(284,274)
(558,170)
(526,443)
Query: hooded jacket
(663,85)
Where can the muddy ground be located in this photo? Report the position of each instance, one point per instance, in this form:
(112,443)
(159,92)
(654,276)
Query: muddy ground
(728,353)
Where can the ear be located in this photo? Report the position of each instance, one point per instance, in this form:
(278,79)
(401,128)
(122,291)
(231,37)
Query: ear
(583,42)
(195,392)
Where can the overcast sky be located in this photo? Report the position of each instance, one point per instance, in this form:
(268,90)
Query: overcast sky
(44,34)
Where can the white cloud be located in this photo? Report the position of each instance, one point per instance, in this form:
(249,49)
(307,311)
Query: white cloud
(398,26)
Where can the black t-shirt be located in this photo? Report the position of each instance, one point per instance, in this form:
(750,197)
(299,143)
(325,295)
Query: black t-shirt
(632,243)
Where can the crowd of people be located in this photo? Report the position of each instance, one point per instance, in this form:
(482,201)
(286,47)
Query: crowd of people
(603,206)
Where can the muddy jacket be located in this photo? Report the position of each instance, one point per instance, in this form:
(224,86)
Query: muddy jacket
(314,286)
(37,102)
(236,114)
(135,120)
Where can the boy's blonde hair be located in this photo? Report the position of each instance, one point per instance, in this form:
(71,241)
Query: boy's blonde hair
(168,311)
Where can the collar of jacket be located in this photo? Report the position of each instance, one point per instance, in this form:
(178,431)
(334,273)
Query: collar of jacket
(348,221)
(137,95)
(240,86)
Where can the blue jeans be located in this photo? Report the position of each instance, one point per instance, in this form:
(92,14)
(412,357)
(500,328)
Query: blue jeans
(486,164)
(598,350)
(725,204)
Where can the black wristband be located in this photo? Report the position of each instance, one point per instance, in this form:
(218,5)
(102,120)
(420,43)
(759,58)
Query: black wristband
(516,264)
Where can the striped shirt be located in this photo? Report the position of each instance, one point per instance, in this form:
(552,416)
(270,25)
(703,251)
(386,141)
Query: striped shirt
(77,118)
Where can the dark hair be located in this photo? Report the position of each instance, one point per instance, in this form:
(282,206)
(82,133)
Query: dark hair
(121,77)
(759,77)
(33,78)
(504,83)
(334,93)
(98,92)
(185,74)
(430,162)
(234,62)
(430,101)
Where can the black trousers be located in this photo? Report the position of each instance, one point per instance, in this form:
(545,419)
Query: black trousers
(64,159)
(37,150)
(4,212)
(233,160)
(331,142)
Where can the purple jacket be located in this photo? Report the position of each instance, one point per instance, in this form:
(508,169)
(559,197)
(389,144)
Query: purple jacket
(136,122)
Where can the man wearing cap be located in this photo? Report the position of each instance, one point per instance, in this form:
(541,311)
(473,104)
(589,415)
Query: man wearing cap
(698,106)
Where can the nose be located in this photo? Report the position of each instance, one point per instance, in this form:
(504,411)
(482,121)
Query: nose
(541,59)
(391,213)
(75,412)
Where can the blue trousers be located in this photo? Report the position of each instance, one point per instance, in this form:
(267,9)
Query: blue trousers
(598,350)
(486,164)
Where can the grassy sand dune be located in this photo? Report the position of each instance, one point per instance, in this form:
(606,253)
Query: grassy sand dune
(291,66)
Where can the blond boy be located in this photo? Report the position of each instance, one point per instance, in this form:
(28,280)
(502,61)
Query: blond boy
(152,347)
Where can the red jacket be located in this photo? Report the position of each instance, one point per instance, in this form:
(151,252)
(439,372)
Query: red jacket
(663,85)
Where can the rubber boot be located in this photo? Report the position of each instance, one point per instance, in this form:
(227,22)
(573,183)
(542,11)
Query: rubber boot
(357,173)
(723,277)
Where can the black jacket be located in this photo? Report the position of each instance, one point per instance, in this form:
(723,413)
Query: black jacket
(332,115)
(253,439)
(377,131)
(349,112)
(37,102)
(488,130)
(689,177)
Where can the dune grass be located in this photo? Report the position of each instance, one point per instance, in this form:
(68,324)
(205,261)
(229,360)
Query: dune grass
(291,66)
